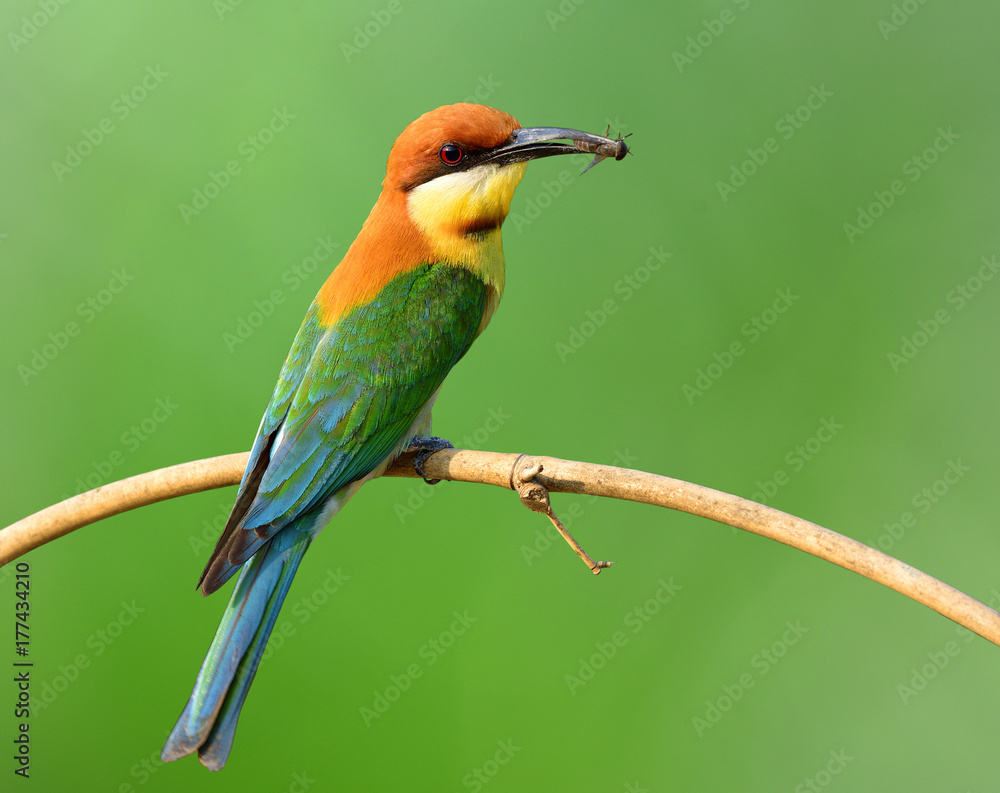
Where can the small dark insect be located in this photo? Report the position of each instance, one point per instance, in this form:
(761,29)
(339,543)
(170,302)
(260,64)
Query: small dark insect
(616,148)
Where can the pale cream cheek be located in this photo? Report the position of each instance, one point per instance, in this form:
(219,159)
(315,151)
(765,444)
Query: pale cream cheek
(443,204)
(444,207)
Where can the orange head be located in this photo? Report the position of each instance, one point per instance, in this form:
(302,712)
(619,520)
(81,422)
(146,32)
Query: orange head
(448,185)
(417,155)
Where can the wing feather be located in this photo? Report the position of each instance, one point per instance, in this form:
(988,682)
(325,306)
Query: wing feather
(345,400)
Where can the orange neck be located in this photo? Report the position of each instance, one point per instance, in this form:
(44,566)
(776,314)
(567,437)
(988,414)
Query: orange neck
(388,245)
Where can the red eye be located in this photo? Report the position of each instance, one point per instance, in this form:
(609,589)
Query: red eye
(451,154)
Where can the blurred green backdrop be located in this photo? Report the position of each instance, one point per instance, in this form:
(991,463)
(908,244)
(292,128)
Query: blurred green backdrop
(783,294)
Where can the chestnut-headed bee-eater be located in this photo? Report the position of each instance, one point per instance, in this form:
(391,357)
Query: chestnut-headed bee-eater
(415,289)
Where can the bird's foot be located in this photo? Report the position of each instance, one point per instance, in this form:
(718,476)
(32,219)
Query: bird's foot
(425,447)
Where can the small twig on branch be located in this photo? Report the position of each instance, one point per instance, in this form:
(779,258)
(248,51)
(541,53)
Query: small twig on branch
(554,475)
(535,496)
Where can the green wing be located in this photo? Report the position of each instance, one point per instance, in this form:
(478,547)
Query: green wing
(346,398)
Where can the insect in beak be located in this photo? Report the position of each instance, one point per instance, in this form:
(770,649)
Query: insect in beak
(616,148)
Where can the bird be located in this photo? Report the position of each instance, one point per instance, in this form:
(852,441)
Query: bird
(420,282)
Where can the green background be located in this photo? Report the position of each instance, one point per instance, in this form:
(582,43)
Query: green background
(831,688)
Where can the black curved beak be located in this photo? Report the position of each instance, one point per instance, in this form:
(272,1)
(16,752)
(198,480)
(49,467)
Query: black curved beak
(531,143)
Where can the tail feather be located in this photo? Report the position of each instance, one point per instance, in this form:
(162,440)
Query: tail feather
(208,723)
(214,752)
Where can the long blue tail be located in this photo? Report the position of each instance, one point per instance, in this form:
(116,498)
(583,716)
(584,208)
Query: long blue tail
(208,723)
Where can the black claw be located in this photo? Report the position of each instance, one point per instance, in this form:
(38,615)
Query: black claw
(425,447)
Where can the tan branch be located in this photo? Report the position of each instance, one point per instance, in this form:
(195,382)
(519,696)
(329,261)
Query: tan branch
(514,471)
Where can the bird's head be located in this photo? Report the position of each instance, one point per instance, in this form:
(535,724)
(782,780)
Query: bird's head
(458,166)
(448,185)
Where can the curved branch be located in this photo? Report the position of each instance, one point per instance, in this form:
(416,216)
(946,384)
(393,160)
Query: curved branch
(562,476)
(121,496)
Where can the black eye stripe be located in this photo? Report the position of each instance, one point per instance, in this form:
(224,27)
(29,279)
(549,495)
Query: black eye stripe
(471,156)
